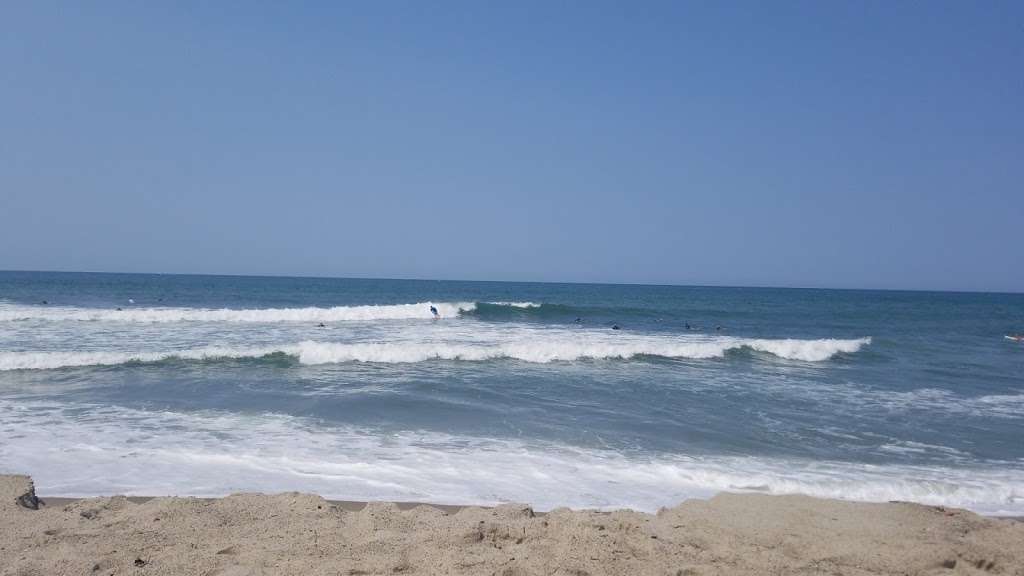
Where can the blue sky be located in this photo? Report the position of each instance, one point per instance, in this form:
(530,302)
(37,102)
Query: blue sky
(861,144)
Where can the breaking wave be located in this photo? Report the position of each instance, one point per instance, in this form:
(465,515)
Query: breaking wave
(499,310)
(419,310)
(538,347)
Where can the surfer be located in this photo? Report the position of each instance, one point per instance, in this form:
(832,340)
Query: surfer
(433,311)
(321,325)
(616,327)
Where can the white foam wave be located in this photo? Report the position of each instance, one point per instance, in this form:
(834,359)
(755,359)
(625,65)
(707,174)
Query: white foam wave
(537,346)
(543,348)
(210,454)
(421,310)
(517,304)
(807,350)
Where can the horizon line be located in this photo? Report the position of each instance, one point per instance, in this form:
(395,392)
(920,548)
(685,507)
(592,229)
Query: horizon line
(412,279)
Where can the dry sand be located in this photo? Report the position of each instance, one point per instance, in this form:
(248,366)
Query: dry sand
(305,534)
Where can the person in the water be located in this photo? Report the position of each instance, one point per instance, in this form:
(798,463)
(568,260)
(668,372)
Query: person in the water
(433,310)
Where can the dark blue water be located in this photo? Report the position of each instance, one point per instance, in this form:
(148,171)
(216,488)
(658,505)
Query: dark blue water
(519,391)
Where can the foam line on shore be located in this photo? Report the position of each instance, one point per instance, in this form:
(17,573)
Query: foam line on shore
(210,453)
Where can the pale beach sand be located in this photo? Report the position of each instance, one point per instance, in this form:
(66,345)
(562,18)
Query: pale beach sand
(296,533)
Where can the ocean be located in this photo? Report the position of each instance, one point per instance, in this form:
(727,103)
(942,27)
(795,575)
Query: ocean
(521,392)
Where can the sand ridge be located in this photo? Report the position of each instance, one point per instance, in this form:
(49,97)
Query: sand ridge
(292,533)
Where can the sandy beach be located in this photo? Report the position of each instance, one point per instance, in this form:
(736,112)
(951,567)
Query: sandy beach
(295,533)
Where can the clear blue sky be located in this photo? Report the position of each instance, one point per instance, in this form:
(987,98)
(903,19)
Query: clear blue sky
(860,144)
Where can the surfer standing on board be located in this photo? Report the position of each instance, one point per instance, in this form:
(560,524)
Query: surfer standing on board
(433,311)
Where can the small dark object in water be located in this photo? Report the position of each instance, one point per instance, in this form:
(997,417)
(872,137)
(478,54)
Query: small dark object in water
(321,325)
(687,325)
(615,327)
(45,302)
(578,321)
(119,308)
(718,327)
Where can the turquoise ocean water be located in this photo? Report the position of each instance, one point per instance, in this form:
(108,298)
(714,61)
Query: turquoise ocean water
(202,385)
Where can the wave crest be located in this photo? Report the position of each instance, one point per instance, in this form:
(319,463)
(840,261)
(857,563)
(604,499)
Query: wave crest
(419,310)
(537,348)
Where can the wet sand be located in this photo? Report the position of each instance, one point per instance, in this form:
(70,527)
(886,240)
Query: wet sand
(296,533)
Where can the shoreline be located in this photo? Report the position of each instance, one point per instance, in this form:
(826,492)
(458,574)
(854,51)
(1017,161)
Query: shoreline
(360,505)
(294,533)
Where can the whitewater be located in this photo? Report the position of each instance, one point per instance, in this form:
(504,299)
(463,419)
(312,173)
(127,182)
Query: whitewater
(12,312)
(541,348)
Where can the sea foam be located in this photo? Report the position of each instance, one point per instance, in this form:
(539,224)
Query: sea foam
(213,453)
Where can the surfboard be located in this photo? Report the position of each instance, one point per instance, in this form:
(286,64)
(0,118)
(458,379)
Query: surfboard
(1015,338)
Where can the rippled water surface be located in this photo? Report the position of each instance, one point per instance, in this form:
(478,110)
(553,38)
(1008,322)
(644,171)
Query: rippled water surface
(151,384)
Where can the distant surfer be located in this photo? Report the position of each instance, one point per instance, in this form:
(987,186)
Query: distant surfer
(616,327)
(433,311)
(45,302)
(321,325)
(578,320)
(687,325)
